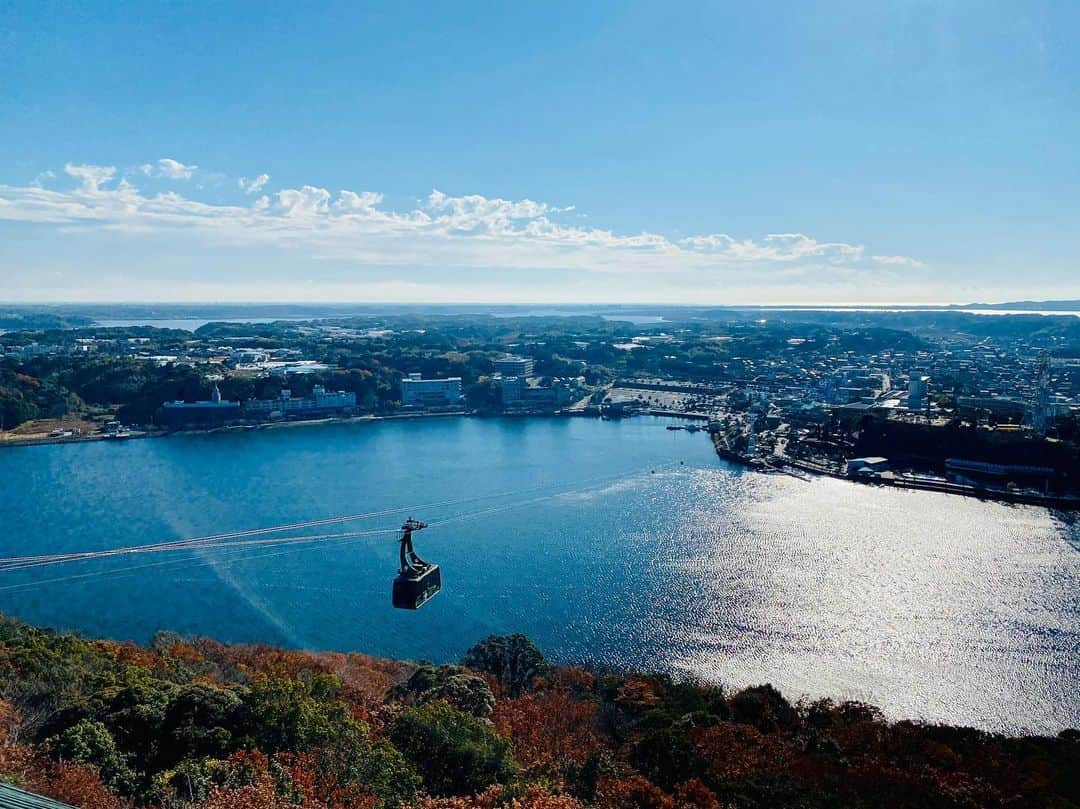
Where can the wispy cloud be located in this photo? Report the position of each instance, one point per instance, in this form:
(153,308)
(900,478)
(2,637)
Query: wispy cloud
(169,169)
(42,178)
(444,231)
(901,261)
(253,185)
(781,247)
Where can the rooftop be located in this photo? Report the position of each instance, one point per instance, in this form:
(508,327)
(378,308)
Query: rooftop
(12,798)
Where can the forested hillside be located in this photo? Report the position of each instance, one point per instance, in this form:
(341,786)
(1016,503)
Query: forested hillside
(196,723)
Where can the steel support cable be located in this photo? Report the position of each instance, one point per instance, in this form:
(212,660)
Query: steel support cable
(15,562)
(209,545)
(215,545)
(6,562)
(344,538)
(219,541)
(238,556)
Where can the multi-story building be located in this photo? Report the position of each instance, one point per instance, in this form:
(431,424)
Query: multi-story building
(321,403)
(511,388)
(918,387)
(519,396)
(852,384)
(511,365)
(419,392)
(208,413)
(248,356)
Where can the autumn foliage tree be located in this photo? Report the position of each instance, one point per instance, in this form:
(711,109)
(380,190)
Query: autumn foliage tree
(553,732)
(196,724)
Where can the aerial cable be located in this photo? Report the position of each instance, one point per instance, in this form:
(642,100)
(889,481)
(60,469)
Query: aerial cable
(210,545)
(15,562)
(220,541)
(237,556)
(20,563)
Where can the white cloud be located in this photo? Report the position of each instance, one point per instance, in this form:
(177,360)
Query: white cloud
(351,202)
(474,210)
(470,231)
(781,247)
(90,177)
(42,178)
(904,261)
(302,202)
(253,185)
(169,169)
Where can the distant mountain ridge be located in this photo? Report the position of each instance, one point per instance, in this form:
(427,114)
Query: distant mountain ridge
(1035,306)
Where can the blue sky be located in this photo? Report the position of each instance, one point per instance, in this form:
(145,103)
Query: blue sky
(831,152)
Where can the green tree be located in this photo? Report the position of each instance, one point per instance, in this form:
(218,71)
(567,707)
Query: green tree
(200,720)
(455,752)
(300,715)
(132,712)
(514,660)
(667,758)
(379,767)
(462,688)
(90,743)
(763,707)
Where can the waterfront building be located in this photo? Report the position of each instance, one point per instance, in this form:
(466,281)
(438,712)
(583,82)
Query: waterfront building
(867,465)
(963,470)
(518,395)
(511,388)
(419,392)
(207,413)
(539,398)
(321,403)
(511,365)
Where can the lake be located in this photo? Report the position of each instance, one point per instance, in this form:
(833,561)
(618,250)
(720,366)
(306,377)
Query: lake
(619,542)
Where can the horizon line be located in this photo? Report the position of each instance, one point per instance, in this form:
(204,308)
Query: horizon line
(564,304)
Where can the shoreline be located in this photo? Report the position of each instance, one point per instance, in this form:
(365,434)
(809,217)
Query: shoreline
(771,466)
(77,439)
(1063,502)
(250,427)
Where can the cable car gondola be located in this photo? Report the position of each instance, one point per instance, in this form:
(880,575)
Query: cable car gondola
(417,581)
